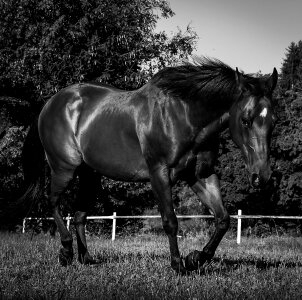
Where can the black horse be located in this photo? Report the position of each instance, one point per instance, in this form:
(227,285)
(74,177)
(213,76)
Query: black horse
(164,131)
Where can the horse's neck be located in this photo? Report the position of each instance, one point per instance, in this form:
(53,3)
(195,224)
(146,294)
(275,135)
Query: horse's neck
(204,113)
(211,130)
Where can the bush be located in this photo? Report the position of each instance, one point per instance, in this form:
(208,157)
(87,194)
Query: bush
(11,161)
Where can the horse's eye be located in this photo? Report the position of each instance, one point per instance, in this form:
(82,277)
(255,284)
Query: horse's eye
(245,122)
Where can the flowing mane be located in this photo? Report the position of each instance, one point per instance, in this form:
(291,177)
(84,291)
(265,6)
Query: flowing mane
(201,79)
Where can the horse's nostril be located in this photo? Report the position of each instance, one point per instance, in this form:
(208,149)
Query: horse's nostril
(255,180)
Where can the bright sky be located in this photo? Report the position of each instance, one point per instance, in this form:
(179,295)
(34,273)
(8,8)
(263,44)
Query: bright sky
(249,34)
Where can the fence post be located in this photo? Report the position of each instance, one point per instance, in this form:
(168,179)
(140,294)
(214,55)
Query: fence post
(68,221)
(239,227)
(113,226)
(23,226)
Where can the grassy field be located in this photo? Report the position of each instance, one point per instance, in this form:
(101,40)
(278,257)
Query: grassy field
(138,268)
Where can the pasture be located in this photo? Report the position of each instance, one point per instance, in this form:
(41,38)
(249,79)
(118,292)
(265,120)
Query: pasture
(139,268)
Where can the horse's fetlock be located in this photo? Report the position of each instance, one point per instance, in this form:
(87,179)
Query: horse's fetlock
(208,254)
(65,256)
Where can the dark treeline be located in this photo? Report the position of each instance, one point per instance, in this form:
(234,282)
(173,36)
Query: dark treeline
(47,45)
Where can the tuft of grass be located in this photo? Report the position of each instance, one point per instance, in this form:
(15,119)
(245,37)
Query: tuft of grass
(139,268)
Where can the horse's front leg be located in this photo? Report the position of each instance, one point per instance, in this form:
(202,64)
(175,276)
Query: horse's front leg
(208,191)
(161,187)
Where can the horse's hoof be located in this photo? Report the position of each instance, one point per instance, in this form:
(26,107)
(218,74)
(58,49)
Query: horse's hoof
(65,257)
(196,259)
(179,268)
(88,260)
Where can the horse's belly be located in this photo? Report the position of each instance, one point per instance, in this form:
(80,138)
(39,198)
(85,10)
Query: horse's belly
(115,154)
(118,165)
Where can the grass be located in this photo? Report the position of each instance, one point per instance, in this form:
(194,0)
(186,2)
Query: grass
(139,268)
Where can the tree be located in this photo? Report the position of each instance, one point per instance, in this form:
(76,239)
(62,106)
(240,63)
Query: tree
(49,44)
(291,71)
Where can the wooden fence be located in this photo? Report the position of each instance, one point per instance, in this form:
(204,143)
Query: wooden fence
(114,217)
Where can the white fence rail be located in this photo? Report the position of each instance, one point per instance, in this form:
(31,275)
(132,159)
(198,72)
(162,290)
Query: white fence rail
(114,217)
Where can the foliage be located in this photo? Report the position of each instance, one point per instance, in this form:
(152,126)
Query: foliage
(287,150)
(10,161)
(13,112)
(47,45)
(232,174)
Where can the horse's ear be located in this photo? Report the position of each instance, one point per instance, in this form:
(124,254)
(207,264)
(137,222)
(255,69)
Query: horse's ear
(272,81)
(240,81)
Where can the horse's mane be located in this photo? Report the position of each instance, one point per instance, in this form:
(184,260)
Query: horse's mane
(204,78)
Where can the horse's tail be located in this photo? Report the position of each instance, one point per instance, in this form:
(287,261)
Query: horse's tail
(33,158)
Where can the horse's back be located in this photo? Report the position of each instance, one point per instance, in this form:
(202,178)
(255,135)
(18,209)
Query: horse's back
(96,124)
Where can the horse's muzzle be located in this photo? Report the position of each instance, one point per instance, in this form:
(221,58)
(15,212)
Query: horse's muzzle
(259,180)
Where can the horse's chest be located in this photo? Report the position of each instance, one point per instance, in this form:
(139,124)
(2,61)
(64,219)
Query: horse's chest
(193,165)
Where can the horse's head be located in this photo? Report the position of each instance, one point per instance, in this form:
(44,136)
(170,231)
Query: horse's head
(251,123)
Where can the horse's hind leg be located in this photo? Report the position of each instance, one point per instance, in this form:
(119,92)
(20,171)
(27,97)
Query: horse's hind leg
(87,194)
(59,181)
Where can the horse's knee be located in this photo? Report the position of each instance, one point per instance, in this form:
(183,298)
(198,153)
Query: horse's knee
(223,223)
(65,256)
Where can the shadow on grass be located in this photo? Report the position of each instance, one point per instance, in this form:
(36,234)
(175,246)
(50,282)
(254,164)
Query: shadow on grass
(226,265)
(217,264)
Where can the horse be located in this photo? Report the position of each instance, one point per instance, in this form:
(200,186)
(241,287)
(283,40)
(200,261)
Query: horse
(165,131)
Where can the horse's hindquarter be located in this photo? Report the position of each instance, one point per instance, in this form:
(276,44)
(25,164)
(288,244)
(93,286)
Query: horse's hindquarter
(57,122)
(107,137)
(93,123)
